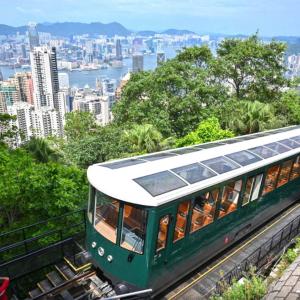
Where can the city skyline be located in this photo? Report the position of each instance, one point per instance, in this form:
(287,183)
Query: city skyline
(229,17)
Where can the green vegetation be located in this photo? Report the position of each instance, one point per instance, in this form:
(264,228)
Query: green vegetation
(250,288)
(194,98)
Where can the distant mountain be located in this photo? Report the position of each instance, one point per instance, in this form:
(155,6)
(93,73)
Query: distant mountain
(71,28)
(177,32)
(67,29)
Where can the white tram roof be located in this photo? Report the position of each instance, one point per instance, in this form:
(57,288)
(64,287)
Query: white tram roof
(161,177)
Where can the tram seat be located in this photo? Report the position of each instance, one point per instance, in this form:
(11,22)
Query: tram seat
(208,209)
(207,220)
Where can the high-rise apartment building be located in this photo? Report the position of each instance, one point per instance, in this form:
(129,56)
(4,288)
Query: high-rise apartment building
(24,86)
(118,50)
(8,92)
(137,63)
(46,89)
(33,36)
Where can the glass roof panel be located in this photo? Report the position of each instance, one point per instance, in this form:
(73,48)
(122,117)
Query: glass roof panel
(263,152)
(123,163)
(210,145)
(160,183)
(220,164)
(158,156)
(185,150)
(296,138)
(277,147)
(244,158)
(194,173)
(290,143)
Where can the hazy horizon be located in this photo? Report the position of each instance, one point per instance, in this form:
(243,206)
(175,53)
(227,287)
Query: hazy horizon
(271,18)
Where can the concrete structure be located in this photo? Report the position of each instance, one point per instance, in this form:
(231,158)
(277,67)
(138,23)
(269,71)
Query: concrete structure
(137,63)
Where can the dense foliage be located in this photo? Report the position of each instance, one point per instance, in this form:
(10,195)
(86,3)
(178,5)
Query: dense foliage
(194,98)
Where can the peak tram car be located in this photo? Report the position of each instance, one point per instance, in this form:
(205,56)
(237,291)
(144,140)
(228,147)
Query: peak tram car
(154,218)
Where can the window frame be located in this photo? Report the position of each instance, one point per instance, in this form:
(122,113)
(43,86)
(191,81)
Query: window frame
(277,163)
(255,177)
(224,185)
(289,174)
(297,157)
(210,191)
(118,219)
(187,219)
(120,223)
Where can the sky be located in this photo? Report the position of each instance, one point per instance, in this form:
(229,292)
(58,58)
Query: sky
(270,17)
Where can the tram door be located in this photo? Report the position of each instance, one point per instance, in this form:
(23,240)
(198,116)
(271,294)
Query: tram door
(163,236)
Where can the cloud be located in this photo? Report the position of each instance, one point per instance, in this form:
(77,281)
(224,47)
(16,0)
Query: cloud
(30,11)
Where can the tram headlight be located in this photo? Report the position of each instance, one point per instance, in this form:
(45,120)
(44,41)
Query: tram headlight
(100,251)
(94,244)
(109,258)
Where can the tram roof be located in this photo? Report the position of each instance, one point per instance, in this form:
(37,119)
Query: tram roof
(161,177)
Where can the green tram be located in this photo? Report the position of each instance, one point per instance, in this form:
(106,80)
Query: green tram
(154,218)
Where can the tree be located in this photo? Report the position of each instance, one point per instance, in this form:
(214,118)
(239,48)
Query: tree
(146,139)
(207,131)
(244,117)
(79,124)
(9,132)
(40,150)
(31,191)
(253,69)
(175,97)
(103,144)
(288,107)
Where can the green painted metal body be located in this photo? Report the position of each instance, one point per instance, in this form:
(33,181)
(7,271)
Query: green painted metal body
(158,270)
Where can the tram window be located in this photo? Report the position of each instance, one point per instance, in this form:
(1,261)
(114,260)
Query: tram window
(162,233)
(284,174)
(271,179)
(181,220)
(91,205)
(204,210)
(256,187)
(230,197)
(296,169)
(252,189)
(106,217)
(133,228)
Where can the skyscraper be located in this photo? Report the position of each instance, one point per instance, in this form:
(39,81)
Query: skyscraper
(119,50)
(33,35)
(64,82)
(137,63)
(1,76)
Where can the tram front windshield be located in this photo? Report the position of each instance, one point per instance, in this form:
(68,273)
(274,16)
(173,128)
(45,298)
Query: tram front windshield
(109,213)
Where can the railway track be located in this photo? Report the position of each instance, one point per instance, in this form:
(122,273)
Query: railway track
(202,283)
(67,282)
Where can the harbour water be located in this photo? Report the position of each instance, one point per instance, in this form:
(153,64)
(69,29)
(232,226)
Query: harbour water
(82,78)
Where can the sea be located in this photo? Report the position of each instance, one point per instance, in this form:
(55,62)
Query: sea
(80,79)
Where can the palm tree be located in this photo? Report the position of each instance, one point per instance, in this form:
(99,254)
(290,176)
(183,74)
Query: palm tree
(40,150)
(251,117)
(146,139)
